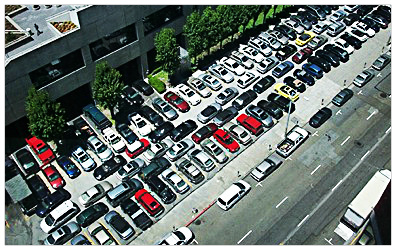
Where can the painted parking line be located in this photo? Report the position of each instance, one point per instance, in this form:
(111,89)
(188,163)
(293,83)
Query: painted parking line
(345,140)
(301,222)
(334,188)
(387,131)
(370,116)
(280,203)
(244,237)
(339,112)
(365,155)
(329,241)
(259,184)
(315,134)
(315,169)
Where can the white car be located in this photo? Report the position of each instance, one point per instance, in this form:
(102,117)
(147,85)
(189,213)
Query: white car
(344,45)
(353,31)
(175,181)
(181,236)
(58,216)
(187,94)
(267,64)
(260,45)
(141,125)
(233,194)
(100,234)
(210,81)
(364,28)
(114,140)
(251,53)
(242,59)
(270,40)
(238,132)
(295,26)
(247,79)
(221,72)
(86,162)
(95,193)
(158,150)
(99,148)
(232,65)
(200,87)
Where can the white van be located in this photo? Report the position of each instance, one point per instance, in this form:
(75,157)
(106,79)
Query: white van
(233,194)
(59,215)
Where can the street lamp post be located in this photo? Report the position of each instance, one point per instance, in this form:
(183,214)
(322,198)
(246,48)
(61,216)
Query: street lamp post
(288,116)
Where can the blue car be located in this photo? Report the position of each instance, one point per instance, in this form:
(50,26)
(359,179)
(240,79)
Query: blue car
(80,240)
(302,75)
(51,201)
(282,69)
(313,70)
(68,166)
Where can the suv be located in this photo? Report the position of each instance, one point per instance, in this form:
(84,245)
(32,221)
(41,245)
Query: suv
(58,216)
(152,206)
(99,148)
(41,149)
(97,117)
(161,189)
(251,124)
(123,191)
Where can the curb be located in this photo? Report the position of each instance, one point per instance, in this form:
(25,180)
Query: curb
(203,211)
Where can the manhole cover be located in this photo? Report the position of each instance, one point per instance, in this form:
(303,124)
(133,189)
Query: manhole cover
(197,222)
(359,144)
(383,95)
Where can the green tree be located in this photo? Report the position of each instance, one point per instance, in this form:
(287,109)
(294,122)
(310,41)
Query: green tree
(194,34)
(107,87)
(46,119)
(209,21)
(167,50)
(235,19)
(224,22)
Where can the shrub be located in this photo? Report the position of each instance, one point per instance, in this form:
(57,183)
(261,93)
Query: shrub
(157,84)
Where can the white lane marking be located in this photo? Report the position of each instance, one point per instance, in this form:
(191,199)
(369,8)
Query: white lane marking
(365,155)
(244,237)
(194,240)
(289,158)
(360,92)
(339,112)
(370,116)
(259,184)
(345,140)
(306,98)
(301,222)
(387,131)
(316,133)
(336,186)
(329,241)
(379,75)
(280,203)
(315,169)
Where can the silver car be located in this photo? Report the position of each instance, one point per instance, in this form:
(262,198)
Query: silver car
(295,26)
(242,59)
(226,95)
(157,150)
(260,115)
(210,81)
(381,62)
(319,28)
(260,45)
(99,148)
(190,170)
(214,150)
(251,53)
(63,234)
(338,16)
(95,193)
(175,181)
(363,78)
(270,40)
(317,41)
(232,65)
(179,149)
(200,87)
(265,168)
(266,65)
(238,132)
(209,112)
(221,72)
(165,109)
(247,79)
(130,169)
(201,159)
(279,36)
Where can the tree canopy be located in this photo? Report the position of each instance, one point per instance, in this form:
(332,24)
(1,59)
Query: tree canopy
(167,50)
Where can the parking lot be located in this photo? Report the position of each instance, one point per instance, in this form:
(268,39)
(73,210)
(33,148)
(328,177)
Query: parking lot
(240,163)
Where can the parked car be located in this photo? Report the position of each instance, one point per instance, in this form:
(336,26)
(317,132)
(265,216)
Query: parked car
(176,101)
(329,56)
(301,55)
(233,194)
(209,112)
(295,26)
(304,76)
(351,18)
(317,42)
(174,180)
(26,160)
(271,108)
(244,99)
(130,169)
(238,132)
(282,69)
(313,69)
(161,189)
(161,132)
(282,102)
(151,116)
(342,97)
(266,167)
(305,38)
(182,130)
(95,193)
(38,187)
(48,203)
(100,235)
(302,20)
(119,224)
(190,170)
(225,139)
(41,149)
(263,84)
(335,28)
(250,123)
(285,52)
(123,191)
(378,19)
(260,115)
(287,91)
(210,81)
(157,150)
(59,216)
(54,178)
(365,28)
(165,109)
(83,129)
(267,64)
(126,132)
(201,159)
(136,148)
(225,116)
(143,87)
(199,87)
(353,41)
(381,62)
(179,149)
(133,97)
(242,59)
(188,94)
(214,151)
(317,10)
(138,216)
(279,36)
(142,126)
(113,140)
(320,117)
(204,132)
(251,53)
(109,167)
(295,83)
(246,80)
(270,40)
(80,240)
(99,148)
(152,206)
(221,72)
(362,37)
(341,53)
(63,234)
(226,95)
(338,16)
(287,31)
(232,65)
(180,236)
(364,77)
(319,28)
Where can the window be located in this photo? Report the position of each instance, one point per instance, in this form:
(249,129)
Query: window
(161,17)
(57,69)
(112,42)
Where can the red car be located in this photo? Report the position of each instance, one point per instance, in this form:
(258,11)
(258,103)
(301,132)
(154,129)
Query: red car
(153,207)
(225,139)
(204,132)
(250,123)
(41,149)
(301,55)
(177,102)
(53,176)
(137,148)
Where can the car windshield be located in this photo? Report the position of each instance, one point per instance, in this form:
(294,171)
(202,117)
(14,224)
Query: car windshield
(208,111)
(43,149)
(228,140)
(223,72)
(178,101)
(179,235)
(304,37)
(141,124)
(83,157)
(49,220)
(208,162)
(166,108)
(254,52)
(360,78)
(102,148)
(69,166)
(217,151)
(115,139)
(243,134)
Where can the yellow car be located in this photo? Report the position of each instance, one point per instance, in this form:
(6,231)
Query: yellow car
(287,91)
(305,38)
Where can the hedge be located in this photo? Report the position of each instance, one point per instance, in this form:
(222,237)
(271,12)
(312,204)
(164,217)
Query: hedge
(157,84)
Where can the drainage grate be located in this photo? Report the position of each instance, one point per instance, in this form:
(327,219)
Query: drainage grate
(383,95)
(197,222)
(358,143)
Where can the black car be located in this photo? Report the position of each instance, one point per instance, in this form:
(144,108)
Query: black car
(304,76)
(51,201)
(91,214)
(309,16)
(161,189)
(282,102)
(225,116)
(351,18)
(332,58)
(143,87)
(190,171)
(109,167)
(342,97)
(320,117)
(263,84)
(384,8)
(152,116)
(161,132)
(126,132)
(371,24)
(326,8)
(11,168)
(138,216)
(244,99)
(295,83)
(204,132)
(83,129)
(132,96)
(38,187)
(323,64)
(27,161)
(68,140)
(380,20)
(286,51)
(364,10)
(28,204)
(288,32)
(383,14)
(119,224)
(356,43)
(341,53)
(271,108)
(184,129)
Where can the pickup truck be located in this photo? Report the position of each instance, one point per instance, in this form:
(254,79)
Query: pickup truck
(292,141)
(41,149)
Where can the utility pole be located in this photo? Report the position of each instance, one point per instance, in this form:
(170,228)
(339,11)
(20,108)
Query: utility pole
(288,116)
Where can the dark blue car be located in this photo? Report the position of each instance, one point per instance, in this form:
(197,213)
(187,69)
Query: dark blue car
(282,69)
(304,76)
(68,166)
(313,70)
(51,201)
